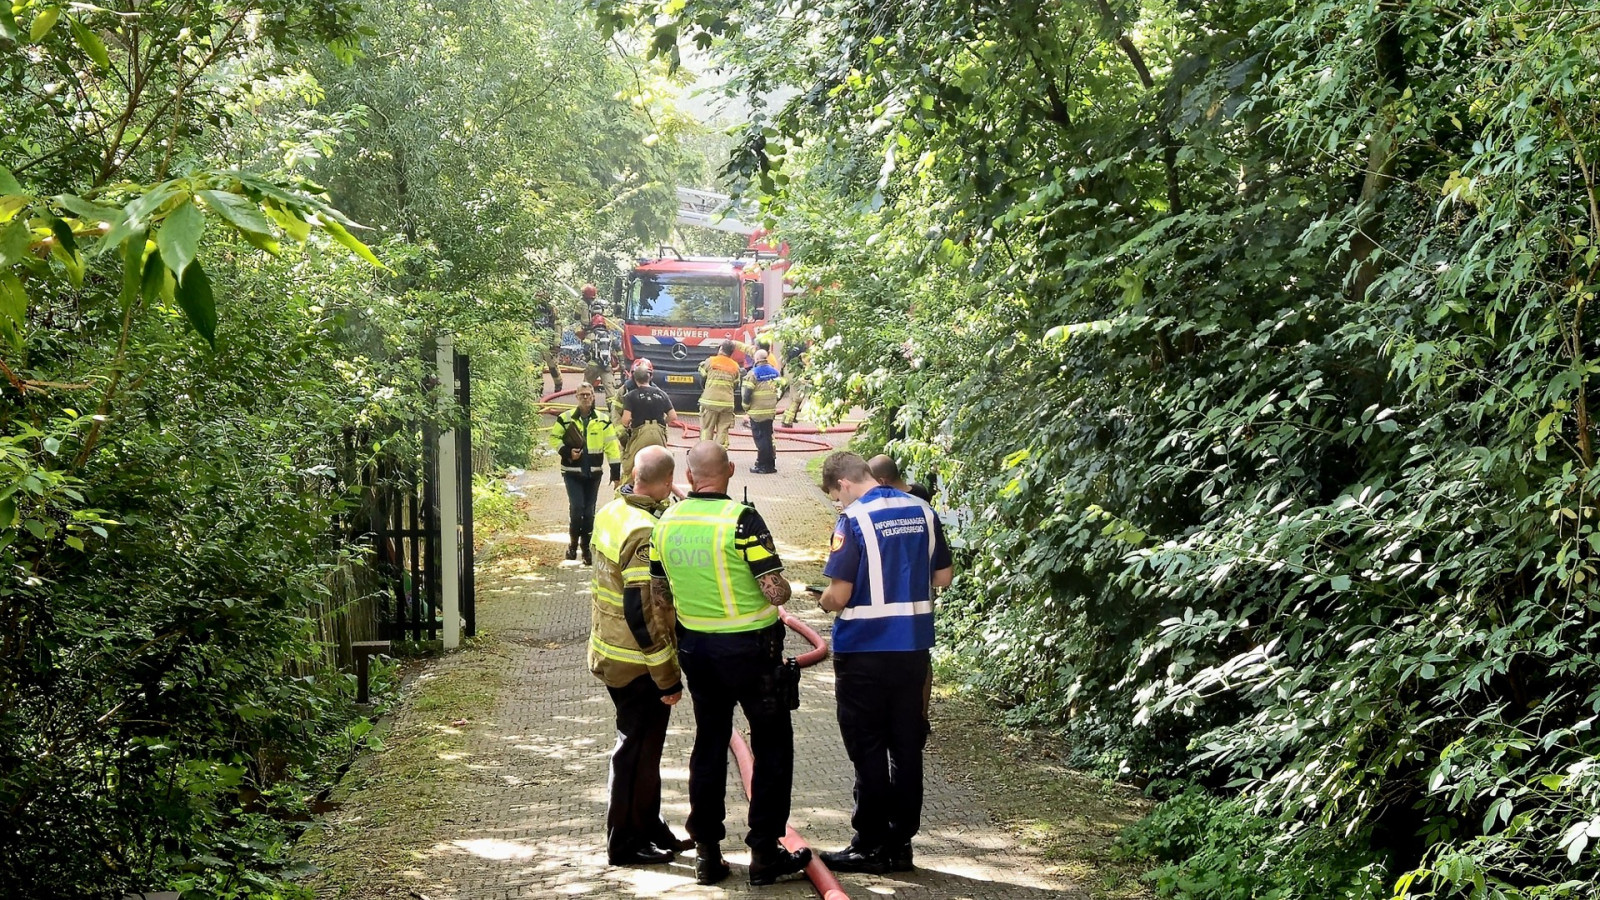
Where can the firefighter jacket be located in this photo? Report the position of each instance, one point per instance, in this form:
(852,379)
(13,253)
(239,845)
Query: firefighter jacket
(631,635)
(721,375)
(711,559)
(593,435)
(762,386)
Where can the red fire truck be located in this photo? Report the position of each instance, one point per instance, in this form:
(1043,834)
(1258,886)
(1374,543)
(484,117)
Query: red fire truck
(677,310)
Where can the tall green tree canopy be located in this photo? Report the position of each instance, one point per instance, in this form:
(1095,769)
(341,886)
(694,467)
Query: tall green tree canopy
(1250,338)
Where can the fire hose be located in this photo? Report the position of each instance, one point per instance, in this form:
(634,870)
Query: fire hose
(828,887)
(550,405)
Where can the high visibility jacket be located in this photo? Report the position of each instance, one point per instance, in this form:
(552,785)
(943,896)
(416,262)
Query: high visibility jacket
(712,586)
(593,435)
(631,636)
(761,389)
(721,375)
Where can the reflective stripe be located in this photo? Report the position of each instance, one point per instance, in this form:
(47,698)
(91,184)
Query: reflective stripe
(887,610)
(635,574)
(697,623)
(606,594)
(624,654)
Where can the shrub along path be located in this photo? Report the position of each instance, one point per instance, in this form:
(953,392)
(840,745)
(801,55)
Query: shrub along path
(493,781)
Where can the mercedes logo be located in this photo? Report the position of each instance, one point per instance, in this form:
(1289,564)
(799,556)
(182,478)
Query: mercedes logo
(680,351)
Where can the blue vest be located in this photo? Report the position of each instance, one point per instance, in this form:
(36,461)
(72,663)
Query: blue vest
(891,602)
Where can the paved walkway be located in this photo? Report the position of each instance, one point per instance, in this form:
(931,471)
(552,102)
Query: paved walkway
(532,824)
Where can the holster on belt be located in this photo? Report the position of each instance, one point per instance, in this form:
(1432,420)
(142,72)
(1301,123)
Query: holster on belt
(780,690)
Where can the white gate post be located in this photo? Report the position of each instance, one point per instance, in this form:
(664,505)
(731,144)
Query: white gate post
(449,501)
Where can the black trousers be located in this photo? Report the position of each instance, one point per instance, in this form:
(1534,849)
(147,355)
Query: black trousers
(766,454)
(633,812)
(582,495)
(722,671)
(884,721)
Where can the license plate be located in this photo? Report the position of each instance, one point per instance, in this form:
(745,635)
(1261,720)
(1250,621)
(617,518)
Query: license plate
(680,379)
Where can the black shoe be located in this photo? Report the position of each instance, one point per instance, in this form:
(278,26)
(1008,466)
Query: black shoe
(669,841)
(898,857)
(643,855)
(588,559)
(708,865)
(767,866)
(855,859)
(572,551)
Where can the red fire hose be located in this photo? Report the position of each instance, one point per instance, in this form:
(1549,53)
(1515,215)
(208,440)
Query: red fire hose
(828,887)
(790,434)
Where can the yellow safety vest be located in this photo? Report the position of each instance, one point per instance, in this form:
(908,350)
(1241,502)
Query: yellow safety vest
(712,586)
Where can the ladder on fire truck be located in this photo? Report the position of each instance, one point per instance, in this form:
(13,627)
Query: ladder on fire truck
(706,209)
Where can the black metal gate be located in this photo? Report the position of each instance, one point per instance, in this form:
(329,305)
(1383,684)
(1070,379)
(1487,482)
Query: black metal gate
(402,524)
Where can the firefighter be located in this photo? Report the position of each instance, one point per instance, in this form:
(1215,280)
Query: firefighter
(762,385)
(631,649)
(720,375)
(714,559)
(646,410)
(547,332)
(888,556)
(795,367)
(584,440)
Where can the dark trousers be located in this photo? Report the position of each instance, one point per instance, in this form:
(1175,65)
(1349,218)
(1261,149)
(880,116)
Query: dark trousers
(884,720)
(582,495)
(766,454)
(724,670)
(633,813)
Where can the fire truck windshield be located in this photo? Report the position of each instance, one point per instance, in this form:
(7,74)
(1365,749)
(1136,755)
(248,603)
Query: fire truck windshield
(671,299)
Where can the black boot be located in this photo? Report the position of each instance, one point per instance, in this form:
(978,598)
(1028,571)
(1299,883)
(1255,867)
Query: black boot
(572,543)
(583,548)
(708,865)
(769,864)
(898,857)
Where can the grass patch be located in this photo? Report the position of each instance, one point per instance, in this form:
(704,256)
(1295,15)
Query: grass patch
(1072,818)
(393,803)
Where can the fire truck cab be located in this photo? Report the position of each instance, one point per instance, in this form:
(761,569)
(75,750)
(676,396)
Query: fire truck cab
(677,310)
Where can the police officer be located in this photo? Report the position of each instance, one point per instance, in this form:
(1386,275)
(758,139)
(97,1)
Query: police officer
(714,558)
(584,441)
(720,376)
(631,649)
(888,555)
(646,410)
(762,385)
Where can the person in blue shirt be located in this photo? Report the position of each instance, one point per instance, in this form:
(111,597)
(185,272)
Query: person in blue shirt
(888,556)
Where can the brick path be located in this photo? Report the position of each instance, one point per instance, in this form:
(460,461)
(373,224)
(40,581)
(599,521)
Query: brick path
(534,823)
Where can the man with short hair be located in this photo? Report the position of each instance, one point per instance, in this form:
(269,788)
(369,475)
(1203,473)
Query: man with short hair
(714,560)
(887,473)
(631,649)
(762,385)
(646,410)
(888,556)
(720,376)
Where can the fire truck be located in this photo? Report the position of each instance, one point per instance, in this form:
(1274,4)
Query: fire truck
(677,310)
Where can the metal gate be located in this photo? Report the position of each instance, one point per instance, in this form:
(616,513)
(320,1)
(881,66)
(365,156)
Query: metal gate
(401,521)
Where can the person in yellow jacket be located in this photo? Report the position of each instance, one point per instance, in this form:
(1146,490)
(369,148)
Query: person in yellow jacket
(720,375)
(762,385)
(713,558)
(585,441)
(632,649)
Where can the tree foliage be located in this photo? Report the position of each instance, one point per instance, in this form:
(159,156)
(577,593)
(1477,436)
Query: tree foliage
(1251,339)
(193,332)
